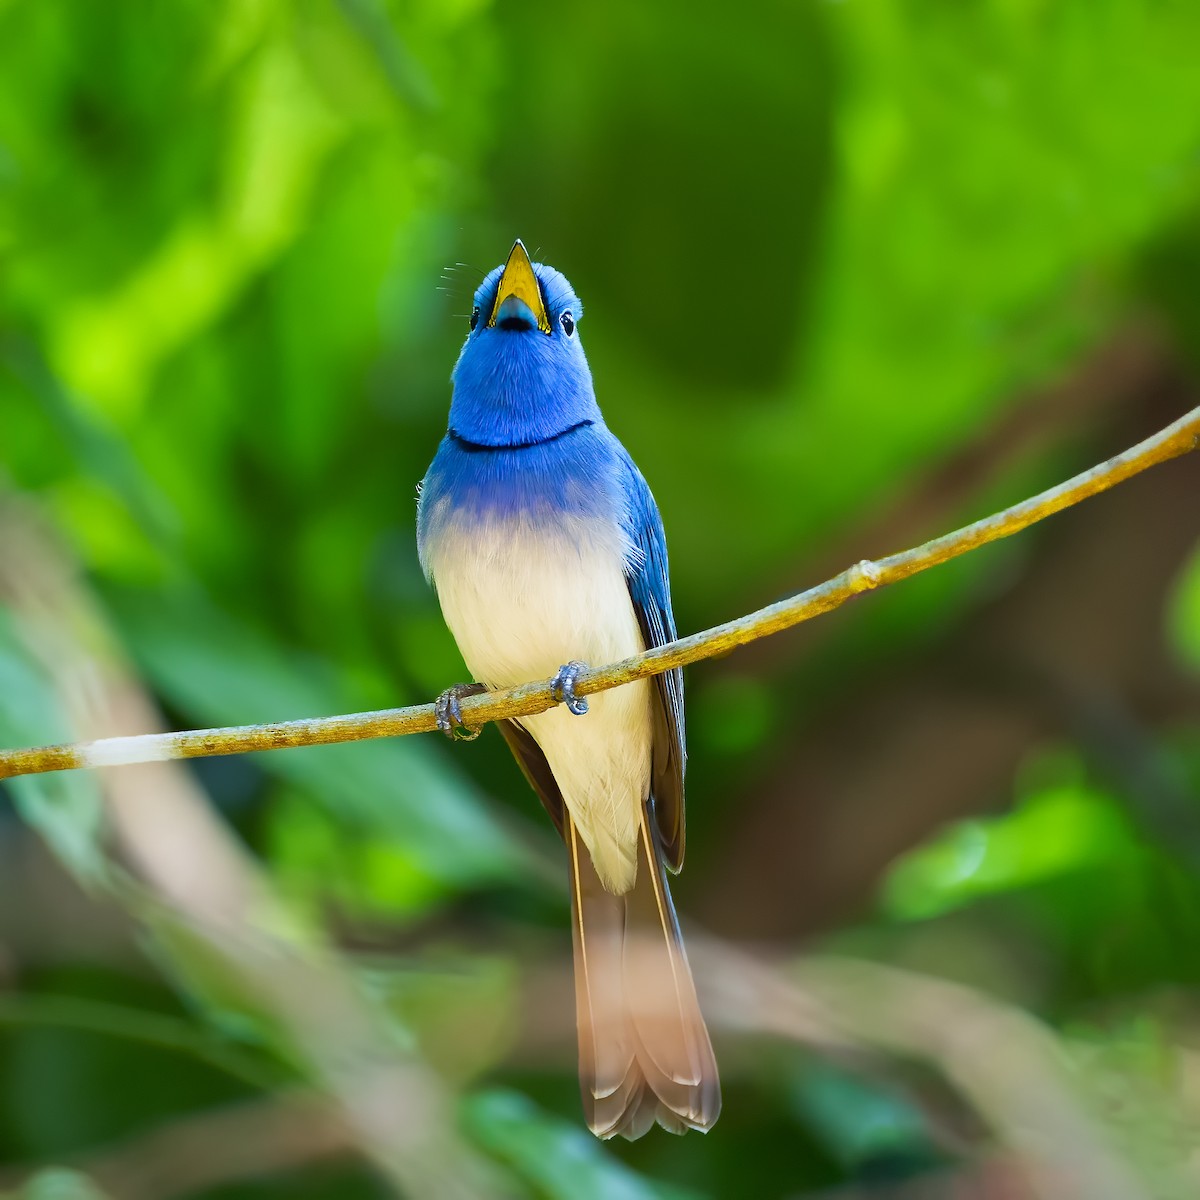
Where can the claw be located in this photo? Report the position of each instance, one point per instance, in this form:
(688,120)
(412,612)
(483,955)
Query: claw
(447,711)
(562,687)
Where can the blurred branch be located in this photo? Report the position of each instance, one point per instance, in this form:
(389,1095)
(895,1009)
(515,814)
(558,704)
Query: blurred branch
(995,1177)
(196,1153)
(1026,1109)
(135,1024)
(1007,1065)
(212,914)
(1177,439)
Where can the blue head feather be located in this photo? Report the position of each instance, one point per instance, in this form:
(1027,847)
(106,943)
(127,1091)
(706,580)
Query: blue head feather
(515,385)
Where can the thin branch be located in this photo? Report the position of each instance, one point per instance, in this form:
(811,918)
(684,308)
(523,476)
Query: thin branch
(529,698)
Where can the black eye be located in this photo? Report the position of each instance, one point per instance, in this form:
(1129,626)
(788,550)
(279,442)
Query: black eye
(474,317)
(567,321)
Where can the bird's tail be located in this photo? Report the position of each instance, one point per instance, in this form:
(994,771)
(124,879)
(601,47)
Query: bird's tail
(644,1051)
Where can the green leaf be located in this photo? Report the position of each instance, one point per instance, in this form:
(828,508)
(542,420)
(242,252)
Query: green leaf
(859,1120)
(58,1183)
(1183,612)
(556,1159)
(1066,826)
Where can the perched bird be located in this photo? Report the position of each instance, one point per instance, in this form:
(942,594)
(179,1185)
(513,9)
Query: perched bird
(545,547)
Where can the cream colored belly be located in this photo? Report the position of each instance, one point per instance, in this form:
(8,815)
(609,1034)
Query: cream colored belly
(520,603)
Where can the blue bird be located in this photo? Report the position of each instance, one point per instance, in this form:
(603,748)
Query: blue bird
(546,547)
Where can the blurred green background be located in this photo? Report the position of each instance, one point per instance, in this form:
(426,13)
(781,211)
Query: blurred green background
(855,273)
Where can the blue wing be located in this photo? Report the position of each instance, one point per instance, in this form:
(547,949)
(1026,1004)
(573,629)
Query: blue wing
(650,590)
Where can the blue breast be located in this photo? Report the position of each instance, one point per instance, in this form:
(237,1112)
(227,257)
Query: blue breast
(579,473)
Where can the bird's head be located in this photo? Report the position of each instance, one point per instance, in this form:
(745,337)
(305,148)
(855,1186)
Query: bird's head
(522,376)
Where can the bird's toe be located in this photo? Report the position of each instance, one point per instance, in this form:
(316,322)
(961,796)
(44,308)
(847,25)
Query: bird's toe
(447,711)
(562,687)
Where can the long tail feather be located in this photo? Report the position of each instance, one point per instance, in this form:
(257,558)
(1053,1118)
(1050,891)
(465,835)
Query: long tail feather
(644,1050)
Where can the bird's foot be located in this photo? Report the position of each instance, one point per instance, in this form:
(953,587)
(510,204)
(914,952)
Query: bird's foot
(562,687)
(447,710)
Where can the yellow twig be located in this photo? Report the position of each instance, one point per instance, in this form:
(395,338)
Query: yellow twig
(1179,438)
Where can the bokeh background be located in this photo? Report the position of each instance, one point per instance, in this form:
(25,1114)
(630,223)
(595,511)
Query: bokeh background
(855,273)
